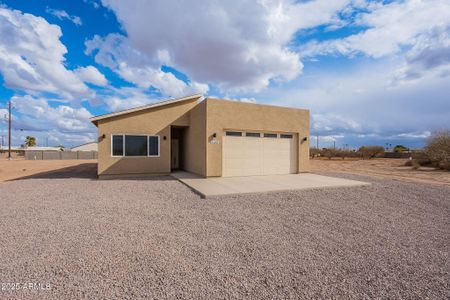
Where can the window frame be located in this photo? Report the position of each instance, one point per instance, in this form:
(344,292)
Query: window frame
(148,145)
(123,145)
(136,156)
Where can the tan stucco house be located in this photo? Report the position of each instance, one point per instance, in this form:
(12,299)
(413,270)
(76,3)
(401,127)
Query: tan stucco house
(209,137)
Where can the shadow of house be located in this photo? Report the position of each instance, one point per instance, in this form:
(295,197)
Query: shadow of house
(84,171)
(87,170)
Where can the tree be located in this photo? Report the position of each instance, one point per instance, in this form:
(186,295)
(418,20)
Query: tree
(400,148)
(438,149)
(30,141)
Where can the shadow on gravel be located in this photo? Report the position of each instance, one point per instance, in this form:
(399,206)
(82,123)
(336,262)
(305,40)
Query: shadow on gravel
(85,171)
(88,170)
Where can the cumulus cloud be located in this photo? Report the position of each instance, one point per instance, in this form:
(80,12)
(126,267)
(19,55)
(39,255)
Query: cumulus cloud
(32,56)
(362,105)
(390,28)
(115,52)
(36,114)
(92,75)
(234,45)
(328,123)
(126,97)
(429,55)
(62,14)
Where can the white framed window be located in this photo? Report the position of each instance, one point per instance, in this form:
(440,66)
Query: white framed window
(135,145)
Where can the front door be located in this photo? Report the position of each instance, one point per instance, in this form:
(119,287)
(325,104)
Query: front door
(175,154)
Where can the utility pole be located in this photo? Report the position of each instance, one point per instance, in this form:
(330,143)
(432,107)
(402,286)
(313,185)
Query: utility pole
(334,145)
(9,131)
(317,141)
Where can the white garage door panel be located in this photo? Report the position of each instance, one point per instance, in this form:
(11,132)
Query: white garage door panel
(246,156)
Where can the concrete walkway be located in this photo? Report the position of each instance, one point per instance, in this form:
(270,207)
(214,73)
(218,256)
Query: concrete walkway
(217,186)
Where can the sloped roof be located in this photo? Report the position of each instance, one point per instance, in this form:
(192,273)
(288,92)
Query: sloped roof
(139,108)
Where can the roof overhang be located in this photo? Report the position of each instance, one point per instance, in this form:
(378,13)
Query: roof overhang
(144,107)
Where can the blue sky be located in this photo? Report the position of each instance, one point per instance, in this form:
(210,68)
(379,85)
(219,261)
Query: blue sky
(371,72)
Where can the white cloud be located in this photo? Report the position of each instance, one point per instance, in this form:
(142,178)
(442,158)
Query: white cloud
(32,56)
(90,74)
(234,45)
(115,52)
(391,27)
(430,56)
(333,123)
(362,101)
(36,114)
(62,14)
(125,97)
(415,135)
(94,3)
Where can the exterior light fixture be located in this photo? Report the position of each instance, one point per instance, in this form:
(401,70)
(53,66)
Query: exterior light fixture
(164,138)
(214,140)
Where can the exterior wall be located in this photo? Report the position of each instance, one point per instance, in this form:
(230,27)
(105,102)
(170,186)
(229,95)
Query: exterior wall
(194,146)
(223,115)
(153,121)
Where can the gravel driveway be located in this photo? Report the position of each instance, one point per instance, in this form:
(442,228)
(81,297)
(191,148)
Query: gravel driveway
(129,239)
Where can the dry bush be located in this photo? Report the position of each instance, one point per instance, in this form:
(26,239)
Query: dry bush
(329,153)
(438,149)
(371,151)
(347,153)
(314,152)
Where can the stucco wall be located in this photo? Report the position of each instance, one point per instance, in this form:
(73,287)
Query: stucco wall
(153,121)
(223,115)
(195,141)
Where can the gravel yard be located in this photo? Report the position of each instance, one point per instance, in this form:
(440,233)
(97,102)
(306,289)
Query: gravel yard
(155,238)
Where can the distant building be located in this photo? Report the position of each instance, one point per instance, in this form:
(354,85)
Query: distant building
(91,146)
(38,148)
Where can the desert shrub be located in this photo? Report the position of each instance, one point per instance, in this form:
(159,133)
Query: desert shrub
(342,153)
(314,152)
(409,163)
(438,149)
(415,164)
(371,151)
(329,152)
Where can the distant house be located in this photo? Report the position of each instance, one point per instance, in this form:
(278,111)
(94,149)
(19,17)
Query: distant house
(91,146)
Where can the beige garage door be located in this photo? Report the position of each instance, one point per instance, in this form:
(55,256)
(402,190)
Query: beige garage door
(249,155)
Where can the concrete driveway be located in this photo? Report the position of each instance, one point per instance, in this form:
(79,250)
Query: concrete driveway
(217,186)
